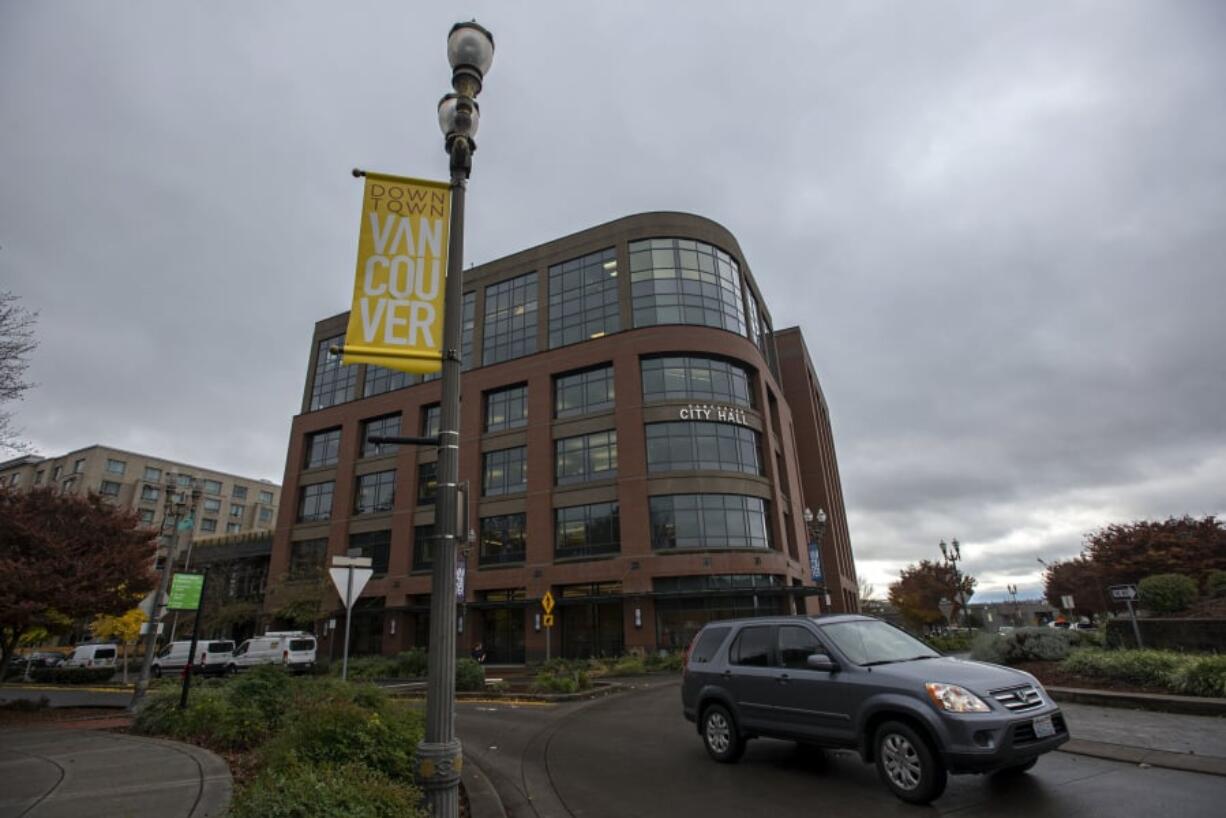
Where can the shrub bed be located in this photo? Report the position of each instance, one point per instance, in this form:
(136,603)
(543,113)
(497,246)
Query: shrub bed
(1182,673)
(1031,644)
(951,642)
(562,676)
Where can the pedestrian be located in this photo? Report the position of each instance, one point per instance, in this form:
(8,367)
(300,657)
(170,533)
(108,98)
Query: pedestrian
(479,653)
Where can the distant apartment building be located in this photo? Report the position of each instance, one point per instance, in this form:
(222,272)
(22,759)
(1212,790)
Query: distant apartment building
(228,503)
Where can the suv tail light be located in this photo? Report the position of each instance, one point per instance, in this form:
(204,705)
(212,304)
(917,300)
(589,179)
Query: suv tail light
(685,655)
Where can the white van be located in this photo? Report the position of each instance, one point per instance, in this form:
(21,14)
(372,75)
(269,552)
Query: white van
(92,656)
(212,656)
(293,649)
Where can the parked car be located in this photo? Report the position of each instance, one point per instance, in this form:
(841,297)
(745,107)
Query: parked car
(212,656)
(858,682)
(295,650)
(92,656)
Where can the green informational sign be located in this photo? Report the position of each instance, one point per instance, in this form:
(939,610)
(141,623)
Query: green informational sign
(185,592)
(186,524)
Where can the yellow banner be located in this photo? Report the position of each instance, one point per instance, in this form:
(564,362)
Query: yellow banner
(397,315)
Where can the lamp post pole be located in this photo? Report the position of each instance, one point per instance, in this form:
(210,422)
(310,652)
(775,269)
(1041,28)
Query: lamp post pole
(470,49)
(952,554)
(816,525)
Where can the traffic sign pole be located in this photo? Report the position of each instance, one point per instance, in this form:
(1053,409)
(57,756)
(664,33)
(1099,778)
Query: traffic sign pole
(191,654)
(348,618)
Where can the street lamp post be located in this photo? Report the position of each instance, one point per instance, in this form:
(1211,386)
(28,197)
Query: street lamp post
(816,524)
(953,555)
(470,50)
(1012,589)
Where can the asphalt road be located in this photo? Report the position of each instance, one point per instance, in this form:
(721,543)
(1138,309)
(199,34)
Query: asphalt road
(634,755)
(67,695)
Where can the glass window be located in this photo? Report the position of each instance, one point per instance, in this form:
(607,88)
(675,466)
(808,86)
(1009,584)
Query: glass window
(153,475)
(332,382)
(266,498)
(150,494)
(237,509)
(316,502)
(510,319)
(38,476)
(306,557)
(55,474)
(708,643)
(212,486)
(380,379)
(582,393)
(708,521)
(323,448)
(466,331)
(233,528)
(427,483)
(146,516)
(752,647)
(505,471)
(502,539)
(423,547)
(265,515)
(238,492)
(208,526)
(185,480)
(586,531)
(109,488)
(376,492)
(868,641)
(115,466)
(386,426)
(506,408)
(796,645)
(431,419)
(212,505)
(702,446)
(78,467)
(690,377)
(586,457)
(376,545)
(678,281)
(583,298)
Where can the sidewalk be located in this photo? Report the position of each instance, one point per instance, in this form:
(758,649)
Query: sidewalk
(52,772)
(1171,740)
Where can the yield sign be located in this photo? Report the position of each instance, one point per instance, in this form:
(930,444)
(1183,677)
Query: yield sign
(340,578)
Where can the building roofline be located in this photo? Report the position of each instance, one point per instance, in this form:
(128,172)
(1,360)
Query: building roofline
(117,450)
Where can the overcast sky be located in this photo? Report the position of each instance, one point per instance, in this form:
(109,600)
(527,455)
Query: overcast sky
(1001,226)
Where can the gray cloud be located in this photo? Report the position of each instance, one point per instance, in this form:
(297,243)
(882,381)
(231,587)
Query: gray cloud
(1000,227)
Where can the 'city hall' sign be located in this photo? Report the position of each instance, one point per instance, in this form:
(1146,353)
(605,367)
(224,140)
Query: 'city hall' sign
(397,315)
(705,411)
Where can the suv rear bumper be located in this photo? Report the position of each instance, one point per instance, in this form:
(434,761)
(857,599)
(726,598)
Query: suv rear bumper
(984,747)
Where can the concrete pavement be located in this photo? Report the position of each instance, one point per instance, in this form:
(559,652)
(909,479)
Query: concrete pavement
(50,772)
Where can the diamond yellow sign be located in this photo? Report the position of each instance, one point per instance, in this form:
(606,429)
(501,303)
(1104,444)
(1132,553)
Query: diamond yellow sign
(547,602)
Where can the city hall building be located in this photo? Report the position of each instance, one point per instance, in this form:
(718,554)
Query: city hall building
(636,437)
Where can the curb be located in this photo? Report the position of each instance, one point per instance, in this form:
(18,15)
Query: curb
(1209,765)
(1188,705)
(598,691)
(483,800)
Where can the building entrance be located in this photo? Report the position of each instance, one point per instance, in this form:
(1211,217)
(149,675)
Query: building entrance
(591,622)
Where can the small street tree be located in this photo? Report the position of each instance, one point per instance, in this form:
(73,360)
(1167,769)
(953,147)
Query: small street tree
(16,344)
(63,556)
(125,628)
(921,588)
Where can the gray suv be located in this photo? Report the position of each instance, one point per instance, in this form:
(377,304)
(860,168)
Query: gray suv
(858,682)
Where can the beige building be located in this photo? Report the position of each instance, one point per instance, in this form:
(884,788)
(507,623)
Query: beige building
(229,504)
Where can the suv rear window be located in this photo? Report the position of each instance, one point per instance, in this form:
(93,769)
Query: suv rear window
(104,653)
(221,647)
(708,643)
(301,644)
(752,647)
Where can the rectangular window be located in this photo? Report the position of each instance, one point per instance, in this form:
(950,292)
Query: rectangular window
(430,419)
(583,298)
(150,494)
(586,531)
(237,509)
(510,319)
(146,516)
(212,505)
(212,487)
(115,466)
(695,378)
(208,526)
(380,379)
(332,382)
(265,515)
(386,426)
(376,492)
(582,393)
(505,471)
(506,408)
(306,558)
(680,281)
(185,480)
(38,477)
(316,502)
(152,474)
(374,544)
(266,498)
(708,521)
(427,483)
(233,528)
(502,539)
(109,488)
(323,448)
(78,467)
(423,547)
(702,446)
(55,475)
(586,457)
(752,647)
(238,492)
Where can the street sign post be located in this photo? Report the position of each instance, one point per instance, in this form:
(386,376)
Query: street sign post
(349,575)
(1066,602)
(1126,594)
(547,604)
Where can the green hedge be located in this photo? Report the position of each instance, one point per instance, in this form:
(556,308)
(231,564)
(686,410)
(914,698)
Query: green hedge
(562,676)
(1183,673)
(1215,584)
(72,675)
(305,790)
(951,642)
(1031,644)
(1167,593)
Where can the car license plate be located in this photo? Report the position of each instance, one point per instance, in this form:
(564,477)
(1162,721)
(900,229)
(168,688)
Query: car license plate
(1043,727)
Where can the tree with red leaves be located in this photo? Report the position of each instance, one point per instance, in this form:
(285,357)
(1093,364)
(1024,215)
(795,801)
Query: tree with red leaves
(1179,545)
(1079,578)
(920,589)
(63,556)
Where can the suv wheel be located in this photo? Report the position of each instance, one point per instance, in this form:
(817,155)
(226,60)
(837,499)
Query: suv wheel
(723,741)
(907,764)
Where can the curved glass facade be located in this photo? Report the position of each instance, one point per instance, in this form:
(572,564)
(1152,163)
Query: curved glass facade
(702,446)
(681,281)
(708,521)
(696,378)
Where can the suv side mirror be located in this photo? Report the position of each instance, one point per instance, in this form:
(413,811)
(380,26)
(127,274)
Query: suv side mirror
(821,661)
